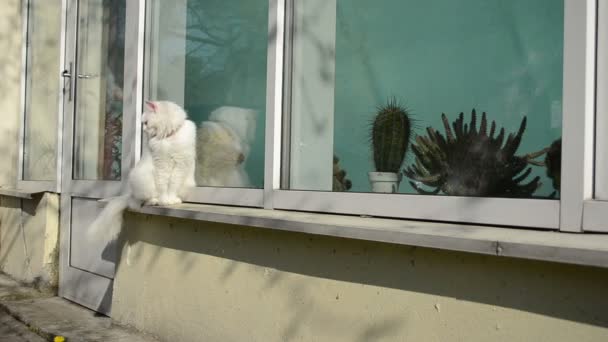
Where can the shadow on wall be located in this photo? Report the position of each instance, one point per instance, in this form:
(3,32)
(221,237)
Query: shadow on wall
(10,71)
(24,253)
(567,292)
(10,208)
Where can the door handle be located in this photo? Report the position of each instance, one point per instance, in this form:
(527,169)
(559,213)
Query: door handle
(87,76)
(68,74)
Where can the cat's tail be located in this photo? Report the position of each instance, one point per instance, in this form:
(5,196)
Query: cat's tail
(108,223)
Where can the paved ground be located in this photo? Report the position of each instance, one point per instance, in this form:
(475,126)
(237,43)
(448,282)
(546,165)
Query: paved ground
(14,331)
(51,316)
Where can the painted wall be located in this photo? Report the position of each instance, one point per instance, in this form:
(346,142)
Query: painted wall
(10,71)
(196,281)
(29,229)
(29,237)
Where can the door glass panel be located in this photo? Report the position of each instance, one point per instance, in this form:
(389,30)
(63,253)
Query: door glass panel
(99,90)
(42,90)
(436,97)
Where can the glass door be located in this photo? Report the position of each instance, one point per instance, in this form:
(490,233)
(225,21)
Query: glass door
(93,145)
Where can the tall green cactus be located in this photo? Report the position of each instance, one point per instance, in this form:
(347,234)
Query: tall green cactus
(390,132)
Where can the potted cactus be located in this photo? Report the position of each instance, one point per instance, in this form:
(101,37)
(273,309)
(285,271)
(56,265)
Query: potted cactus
(390,136)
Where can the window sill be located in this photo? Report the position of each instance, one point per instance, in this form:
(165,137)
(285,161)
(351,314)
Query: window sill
(581,249)
(18,193)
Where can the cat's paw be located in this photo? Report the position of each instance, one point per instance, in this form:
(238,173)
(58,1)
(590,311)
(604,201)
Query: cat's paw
(152,201)
(175,201)
(170,200)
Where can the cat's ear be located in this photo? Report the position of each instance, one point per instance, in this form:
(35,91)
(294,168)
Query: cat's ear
(152,106)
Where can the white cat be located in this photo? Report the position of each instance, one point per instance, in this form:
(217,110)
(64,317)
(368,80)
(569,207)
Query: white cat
(224,143)
(165,172)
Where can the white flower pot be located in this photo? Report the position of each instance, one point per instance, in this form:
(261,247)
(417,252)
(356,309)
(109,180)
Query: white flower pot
(385,182)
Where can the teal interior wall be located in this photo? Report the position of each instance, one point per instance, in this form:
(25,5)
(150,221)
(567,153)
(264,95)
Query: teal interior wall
(443,56)
(227,44)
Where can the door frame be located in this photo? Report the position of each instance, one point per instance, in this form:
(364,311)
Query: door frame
(89,289)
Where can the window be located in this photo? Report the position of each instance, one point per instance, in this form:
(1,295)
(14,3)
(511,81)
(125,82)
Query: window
(41,92)
(479,102)
(392,109)
(353,67)
(99,117)
(210,58)
(371,82)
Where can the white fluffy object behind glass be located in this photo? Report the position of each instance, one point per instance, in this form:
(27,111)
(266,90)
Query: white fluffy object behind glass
(165,172)
(224,143)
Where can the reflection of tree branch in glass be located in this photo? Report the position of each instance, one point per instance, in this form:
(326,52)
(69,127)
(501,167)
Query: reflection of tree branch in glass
(113,128)
(224,48)
(41,160)
(113,72)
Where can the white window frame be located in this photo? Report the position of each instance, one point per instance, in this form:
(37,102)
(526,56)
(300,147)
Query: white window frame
(54,184)
(595,207)
(564,214)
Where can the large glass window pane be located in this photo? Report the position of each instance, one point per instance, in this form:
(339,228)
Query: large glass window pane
(99,96)
(446,97)
(209,56)
(42,90)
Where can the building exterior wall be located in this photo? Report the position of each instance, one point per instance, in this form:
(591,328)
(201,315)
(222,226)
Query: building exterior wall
(10,90)
(196,281)
(28,228)
(190,281)
(29,236)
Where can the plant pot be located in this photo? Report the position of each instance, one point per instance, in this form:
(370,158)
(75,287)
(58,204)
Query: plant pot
(384,182)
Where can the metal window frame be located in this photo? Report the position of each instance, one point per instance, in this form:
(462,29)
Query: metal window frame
(595,207)
(275,99)
(54,184)
(579,111)
(564,214)
(132,86)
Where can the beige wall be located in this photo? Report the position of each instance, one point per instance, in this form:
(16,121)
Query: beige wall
(28,228)
(195,281)
(29,234)
(10,71)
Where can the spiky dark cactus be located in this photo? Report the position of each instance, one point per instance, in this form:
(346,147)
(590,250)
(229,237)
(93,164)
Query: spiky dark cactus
(470,162)
(340,182)
(553,162)
(390,135)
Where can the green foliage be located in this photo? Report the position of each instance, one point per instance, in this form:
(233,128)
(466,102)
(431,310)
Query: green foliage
(390,135)
(553,162)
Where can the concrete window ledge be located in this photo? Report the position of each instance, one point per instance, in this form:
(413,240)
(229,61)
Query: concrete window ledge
(581,249)
(18,193)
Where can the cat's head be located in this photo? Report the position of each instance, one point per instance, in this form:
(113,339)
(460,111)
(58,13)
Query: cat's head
(241,120)
(162,118)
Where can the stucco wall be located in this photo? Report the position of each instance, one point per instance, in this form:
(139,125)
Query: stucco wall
(29,233)
(28,228)
(196,281)
(10,71)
